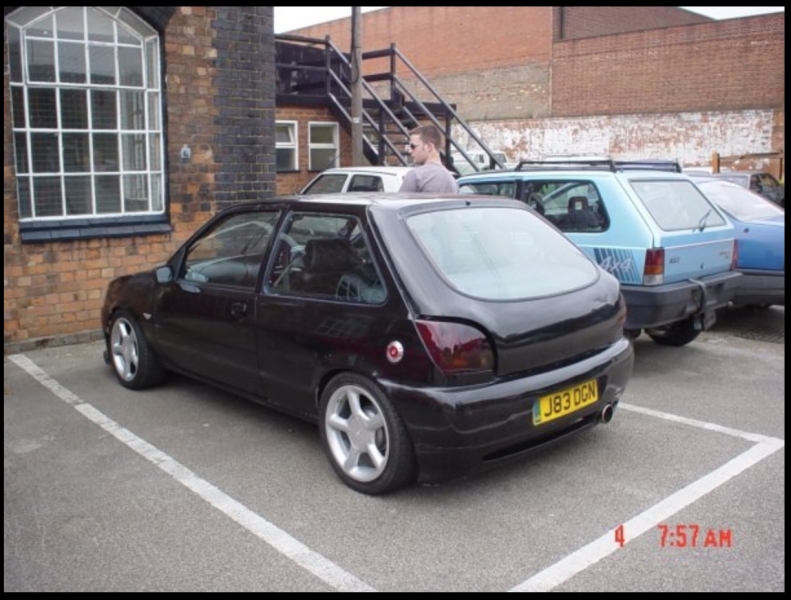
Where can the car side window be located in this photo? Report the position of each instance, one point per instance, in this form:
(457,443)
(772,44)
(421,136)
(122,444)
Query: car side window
(365,183)
(571,205)
(232,251)
(506,189)
(326,257)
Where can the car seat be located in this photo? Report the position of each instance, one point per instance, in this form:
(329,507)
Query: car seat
(324,263)
(579,216)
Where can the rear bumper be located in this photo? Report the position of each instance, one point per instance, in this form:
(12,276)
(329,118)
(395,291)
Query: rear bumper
(761,287)
(648,307)
(457,431)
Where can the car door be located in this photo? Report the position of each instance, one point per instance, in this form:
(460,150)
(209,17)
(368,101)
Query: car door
(321,294)
(205,318)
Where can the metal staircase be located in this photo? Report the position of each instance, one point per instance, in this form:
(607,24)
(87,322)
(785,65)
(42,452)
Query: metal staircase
(314,72)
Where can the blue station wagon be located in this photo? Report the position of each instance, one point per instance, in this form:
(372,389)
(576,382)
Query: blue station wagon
(672,249)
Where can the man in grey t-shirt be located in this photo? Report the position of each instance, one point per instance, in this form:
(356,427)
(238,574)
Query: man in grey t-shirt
(429,174)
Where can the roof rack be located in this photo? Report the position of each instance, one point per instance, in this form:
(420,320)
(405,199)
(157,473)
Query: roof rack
(606,163)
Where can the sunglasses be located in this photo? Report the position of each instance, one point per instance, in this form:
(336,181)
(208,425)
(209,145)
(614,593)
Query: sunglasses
(413,146)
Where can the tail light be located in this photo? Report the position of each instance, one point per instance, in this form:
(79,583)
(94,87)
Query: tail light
(735,255)
(654,271)
(455,347)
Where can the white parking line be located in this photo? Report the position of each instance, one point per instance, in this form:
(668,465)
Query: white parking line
(312,562)
(566,568)
(341,580)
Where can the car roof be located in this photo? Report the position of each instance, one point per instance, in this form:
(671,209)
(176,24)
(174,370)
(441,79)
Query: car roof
(387,200)
(378,170)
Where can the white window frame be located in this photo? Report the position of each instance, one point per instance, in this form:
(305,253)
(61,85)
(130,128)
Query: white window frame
(292,145)
(137,173)
(334,146)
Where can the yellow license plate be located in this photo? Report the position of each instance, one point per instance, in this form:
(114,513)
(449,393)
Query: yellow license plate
(559,404)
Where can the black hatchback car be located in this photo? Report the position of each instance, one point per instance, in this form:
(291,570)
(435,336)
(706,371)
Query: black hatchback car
(427,337)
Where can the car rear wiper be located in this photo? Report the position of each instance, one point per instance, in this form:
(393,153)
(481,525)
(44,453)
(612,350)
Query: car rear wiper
(702,222)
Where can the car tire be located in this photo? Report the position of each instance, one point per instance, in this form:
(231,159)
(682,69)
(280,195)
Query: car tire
(132,360)
(364,437)
(675,334)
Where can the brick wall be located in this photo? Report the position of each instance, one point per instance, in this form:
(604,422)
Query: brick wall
(219,68)
(723,65)
(575,22)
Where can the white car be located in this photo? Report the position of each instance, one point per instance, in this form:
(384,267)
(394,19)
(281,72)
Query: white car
(357,179)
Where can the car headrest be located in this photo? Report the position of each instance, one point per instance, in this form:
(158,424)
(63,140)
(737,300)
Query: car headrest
(328,255)
(578,203)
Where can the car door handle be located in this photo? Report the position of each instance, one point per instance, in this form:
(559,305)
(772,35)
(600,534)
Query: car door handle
(238,308)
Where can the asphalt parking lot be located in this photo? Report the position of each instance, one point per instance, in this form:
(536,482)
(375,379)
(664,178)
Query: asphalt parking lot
(184,488)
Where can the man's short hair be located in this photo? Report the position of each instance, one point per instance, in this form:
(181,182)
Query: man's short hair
(429,134)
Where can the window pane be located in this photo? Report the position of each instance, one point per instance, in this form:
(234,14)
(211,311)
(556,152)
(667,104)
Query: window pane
(48,196)
(100,27)
(18,105)
(133,114)
(45,152)
(41,60)
(41,104)
(152,64)
(135,193)
(130,66)
(286,159)
(156,193)
(108,194)
(134,151)
(103,110)
(20,149)
(42,28)
(73,109)
(23,193)
(78,195)
(71,62)
(321,159)
(70,24)
(102,64)
(76,153)
(153,111)
(105,152)
(320,134)
(284,134)
(14,54)
(154,150)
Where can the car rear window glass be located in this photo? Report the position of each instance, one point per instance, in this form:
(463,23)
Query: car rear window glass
(677,205)
(499,253)
(739,202)
(326,184)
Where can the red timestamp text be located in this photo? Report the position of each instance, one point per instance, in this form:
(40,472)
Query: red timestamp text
(692,535)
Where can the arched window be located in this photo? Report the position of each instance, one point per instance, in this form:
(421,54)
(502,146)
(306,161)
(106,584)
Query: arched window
(87,114)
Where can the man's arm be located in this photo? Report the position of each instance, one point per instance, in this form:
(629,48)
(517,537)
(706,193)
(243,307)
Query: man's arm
(410,182)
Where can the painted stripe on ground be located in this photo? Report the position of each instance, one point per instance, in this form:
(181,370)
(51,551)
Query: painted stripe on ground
(281,541)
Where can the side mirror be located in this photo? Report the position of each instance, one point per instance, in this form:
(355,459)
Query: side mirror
(164,274)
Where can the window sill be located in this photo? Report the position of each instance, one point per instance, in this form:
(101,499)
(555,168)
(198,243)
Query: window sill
(94,227)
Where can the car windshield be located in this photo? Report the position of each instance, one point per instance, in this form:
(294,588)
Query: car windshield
(740,202)
(677,204)
(499,253)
